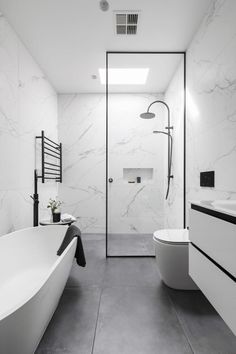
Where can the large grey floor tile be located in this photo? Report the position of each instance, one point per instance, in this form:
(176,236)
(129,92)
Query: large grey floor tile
(131,271)
(71,330)
(206,331)
(93,273)
(138,320)
(136,314)
(131,245)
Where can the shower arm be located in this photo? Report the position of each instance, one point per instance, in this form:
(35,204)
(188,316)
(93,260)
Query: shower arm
(169,127)
(168,111)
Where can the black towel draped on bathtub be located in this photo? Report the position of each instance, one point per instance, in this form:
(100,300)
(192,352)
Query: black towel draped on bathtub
(74,231)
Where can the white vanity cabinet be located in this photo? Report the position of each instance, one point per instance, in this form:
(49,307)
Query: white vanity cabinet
(212,258)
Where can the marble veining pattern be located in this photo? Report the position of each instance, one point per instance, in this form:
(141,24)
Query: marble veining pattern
(133,208)
(211,103)
(174,96)
(28,104)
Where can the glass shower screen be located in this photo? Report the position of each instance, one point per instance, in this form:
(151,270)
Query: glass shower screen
(137,158)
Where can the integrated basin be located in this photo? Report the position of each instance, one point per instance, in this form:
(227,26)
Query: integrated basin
(228,206)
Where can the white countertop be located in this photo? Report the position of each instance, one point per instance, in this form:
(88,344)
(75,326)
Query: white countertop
(227,207)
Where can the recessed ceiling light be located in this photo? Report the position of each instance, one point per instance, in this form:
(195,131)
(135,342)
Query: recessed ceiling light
(124,76)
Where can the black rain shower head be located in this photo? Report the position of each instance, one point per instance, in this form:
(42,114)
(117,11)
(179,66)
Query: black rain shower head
(147,115)
(150,115)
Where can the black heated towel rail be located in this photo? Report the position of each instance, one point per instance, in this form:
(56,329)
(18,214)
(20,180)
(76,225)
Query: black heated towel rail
(51,168)
(51,159)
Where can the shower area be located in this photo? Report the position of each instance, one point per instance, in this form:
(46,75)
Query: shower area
(145,148)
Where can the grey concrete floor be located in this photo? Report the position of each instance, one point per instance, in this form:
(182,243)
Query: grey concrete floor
(121,306)
(130,245)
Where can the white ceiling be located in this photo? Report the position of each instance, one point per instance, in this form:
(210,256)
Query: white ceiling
(68,38)
(161,69)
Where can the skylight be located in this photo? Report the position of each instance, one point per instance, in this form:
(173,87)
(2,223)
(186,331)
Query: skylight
(124,76)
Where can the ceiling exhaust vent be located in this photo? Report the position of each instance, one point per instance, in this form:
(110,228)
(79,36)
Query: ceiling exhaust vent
(126,22)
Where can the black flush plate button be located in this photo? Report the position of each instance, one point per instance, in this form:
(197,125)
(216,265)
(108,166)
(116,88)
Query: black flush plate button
(207,179)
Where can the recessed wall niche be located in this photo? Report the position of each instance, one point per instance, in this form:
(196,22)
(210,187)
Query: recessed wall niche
(137,175)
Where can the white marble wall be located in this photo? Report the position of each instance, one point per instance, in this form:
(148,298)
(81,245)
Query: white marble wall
(135,208)
(174,97)
(82,132)
(132,207)
(28,104)
(211,103)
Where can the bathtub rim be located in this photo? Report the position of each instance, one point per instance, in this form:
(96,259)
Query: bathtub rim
(17,306)
(12,233)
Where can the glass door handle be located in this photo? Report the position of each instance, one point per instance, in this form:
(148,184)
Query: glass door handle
(110,180)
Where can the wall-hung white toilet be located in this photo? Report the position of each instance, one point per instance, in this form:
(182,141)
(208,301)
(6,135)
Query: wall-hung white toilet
(171,248)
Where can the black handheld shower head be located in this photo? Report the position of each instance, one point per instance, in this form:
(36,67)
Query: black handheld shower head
(161,132)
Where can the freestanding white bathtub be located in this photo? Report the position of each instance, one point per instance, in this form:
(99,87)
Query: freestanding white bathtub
(32,279)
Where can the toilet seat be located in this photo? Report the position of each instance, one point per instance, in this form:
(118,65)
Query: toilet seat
(172,236)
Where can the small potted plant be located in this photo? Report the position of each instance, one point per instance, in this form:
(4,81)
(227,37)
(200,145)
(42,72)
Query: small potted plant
(54,205)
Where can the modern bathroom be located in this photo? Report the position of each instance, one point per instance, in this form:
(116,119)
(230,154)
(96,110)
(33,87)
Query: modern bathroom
(118,177)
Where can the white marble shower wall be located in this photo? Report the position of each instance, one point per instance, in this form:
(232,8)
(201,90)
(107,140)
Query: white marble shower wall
(133,207)
(28,104)
(82,132)
(211,104)
(174,97)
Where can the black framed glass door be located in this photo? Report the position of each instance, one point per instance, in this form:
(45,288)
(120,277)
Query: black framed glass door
(136,165)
